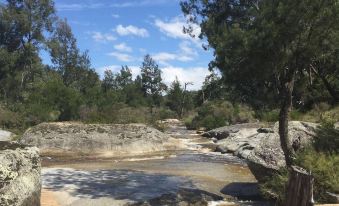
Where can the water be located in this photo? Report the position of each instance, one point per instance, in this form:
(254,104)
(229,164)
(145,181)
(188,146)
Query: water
(196,172)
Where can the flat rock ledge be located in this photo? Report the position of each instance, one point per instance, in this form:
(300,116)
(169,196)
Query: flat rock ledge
(20,183)
(259,145)
(99,140)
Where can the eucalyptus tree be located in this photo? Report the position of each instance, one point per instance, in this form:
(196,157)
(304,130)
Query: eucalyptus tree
(262,42)
(152,84)
(23,28)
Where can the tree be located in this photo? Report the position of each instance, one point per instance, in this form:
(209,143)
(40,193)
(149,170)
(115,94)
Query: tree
(265,43)
(151,80)
(23,25)
(124,77)
(175,97)
(64,52)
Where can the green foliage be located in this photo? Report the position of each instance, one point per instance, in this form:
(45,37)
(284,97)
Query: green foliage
(10,120)
(321,159)
(220,113)
(324,167)
(268,116)
(275,186)
(151,80)
(327,139)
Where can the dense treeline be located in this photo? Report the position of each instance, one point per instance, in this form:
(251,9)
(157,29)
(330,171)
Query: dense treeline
(70,89)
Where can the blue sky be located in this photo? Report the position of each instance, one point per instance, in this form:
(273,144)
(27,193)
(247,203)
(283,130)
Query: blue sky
(121,32)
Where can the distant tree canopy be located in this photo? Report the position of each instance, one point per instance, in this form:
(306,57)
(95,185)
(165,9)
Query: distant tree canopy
(69,88)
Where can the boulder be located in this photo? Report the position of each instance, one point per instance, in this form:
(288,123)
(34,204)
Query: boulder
(261,146)
(6,135)
(20,183)
(225,132)
(96,139)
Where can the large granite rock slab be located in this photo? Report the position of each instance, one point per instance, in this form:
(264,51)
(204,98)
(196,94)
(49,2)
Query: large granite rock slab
(261,146)
(97,139)
(20,183)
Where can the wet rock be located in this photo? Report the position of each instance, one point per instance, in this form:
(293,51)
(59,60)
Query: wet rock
(184,197)
(242,190)
(261,146)
(96,139)
(265,130)
(20,183)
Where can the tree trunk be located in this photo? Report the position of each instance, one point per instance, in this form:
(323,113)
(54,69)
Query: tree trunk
(286,106)
(300,188)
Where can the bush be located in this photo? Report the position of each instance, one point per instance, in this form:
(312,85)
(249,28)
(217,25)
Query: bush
(275,187)
(268,116)
(321,159)
(220,113)
(327,139)
(11,120)
(324,167)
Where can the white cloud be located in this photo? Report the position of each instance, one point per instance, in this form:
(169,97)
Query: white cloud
(121,56)
(184,54)
(116,16)
(131,30)
(123,47)
(141,3)
(124,4)
(174,28)
(102,37)
(196,75)
(163,57)
(77,7)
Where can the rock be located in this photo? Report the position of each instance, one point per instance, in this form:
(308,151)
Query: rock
(6,135)
(261,146)
(336,125)
(224,132)
(169,121)
(20,183)
(333,198)
(265,130)
(242,190)
(96,139)
(184,197)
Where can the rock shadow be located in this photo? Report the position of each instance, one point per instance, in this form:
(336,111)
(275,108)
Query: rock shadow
(117,184)
(242,190)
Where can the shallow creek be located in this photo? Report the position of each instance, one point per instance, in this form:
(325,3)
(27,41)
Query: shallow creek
(195,171)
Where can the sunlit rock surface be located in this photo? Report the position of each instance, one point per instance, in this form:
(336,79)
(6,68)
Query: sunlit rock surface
(260,146)
(20,183)
(97,139)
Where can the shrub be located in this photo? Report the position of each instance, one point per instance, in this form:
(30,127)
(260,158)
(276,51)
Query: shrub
(268,116)
(220,113)
(324,167)
(321,159)
(327,139)
(10,120)
(275,186)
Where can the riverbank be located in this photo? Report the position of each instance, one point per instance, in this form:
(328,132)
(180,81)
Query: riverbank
(192,175)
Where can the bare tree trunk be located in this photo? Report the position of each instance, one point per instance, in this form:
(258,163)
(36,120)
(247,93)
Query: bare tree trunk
(300,188)
(286,106)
